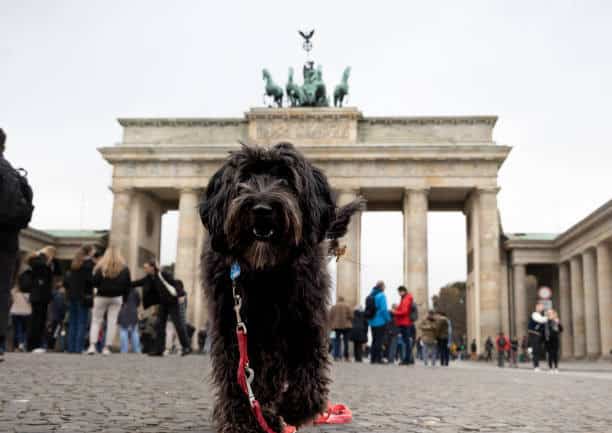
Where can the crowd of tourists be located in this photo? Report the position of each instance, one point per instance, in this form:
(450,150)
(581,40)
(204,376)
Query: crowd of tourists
(85,308)
(394,335)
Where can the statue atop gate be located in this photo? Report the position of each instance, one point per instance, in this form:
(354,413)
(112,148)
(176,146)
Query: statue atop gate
(313,92)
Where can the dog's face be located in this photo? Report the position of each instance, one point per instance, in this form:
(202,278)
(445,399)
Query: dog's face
(263,204)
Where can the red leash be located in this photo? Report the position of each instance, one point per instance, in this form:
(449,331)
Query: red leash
(245,373)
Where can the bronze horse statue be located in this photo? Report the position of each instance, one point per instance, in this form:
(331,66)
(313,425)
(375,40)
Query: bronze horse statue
(342,89)
(272,89)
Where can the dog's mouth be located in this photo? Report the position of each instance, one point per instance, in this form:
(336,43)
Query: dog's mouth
(263,233)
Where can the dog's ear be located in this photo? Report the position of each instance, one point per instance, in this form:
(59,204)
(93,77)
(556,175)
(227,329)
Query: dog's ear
(323,207)
(213,209)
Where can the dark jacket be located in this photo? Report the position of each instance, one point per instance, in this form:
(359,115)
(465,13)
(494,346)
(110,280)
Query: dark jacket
(359,331)
(9,237)
(57,308)
(42,277)
(128,316)
(154,291)
(111,287)
(79,283)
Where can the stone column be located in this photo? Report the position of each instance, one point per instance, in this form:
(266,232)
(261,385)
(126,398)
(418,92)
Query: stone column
(577,307)
(591,311)
(565,310)
(489,258)
(200,305)
(604,287)
(186,246)
(348,276)
(415,246)
(520,300)
(120,224)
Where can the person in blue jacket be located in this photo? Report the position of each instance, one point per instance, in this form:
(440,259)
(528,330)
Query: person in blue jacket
(379,322)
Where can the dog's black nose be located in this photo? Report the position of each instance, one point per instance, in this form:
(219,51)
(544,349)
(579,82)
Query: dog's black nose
(262,210)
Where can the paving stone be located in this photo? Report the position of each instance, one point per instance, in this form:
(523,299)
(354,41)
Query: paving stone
(62,393)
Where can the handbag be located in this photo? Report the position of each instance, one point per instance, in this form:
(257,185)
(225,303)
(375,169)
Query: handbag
(169,287)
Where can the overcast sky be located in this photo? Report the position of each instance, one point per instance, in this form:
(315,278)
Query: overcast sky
(70,68)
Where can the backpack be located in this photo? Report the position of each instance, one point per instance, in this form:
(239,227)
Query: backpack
(16,197)
(501,342)
(25,281)
(414,312)
(370,307)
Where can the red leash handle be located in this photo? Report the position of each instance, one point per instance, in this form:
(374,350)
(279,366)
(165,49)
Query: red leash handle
(245,381)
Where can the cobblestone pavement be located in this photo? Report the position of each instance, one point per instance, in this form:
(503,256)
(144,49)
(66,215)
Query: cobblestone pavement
(133,393)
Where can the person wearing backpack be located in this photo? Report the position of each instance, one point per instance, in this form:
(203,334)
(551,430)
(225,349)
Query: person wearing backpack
(45,268)
(359,333)
(15,214)
(378,316)
(404,317)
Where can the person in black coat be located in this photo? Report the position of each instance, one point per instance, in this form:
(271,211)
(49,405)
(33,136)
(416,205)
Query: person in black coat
(359,333)
(552,336)
(535,330)
(44,268)
(78,283)
(161,288)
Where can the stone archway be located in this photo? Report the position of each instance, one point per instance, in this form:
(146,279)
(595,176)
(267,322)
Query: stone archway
(412,164)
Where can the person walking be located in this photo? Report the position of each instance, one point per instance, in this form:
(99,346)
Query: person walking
(443,333)
(489,349)
(341,322)
(21,310)
(79,294)
(128,323)
(160,288)
(112,282)
(535,330)
(404,316)
(429,338)
(502,343)
(45,268)
(15,214)
(171,334)
(378,316)
(552,336)
(359,333)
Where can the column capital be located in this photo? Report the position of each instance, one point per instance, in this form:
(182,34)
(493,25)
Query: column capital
(488,189)
(417,189)
(348,190)
(188,190)
(121,189)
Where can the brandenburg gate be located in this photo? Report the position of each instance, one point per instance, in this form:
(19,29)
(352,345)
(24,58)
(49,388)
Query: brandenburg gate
(408,164)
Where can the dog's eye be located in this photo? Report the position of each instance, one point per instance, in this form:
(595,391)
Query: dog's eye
(283,182)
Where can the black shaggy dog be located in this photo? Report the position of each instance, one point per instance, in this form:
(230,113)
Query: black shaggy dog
(272,212)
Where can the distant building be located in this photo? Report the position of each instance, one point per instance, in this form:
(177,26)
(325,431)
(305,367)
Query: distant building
(67,242)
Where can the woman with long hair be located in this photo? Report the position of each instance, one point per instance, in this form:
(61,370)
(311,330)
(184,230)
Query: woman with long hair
(552,336)
(112,280)
(79,293)
(44,268)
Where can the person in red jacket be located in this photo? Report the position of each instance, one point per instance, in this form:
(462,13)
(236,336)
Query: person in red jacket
(502,343)
(403,321)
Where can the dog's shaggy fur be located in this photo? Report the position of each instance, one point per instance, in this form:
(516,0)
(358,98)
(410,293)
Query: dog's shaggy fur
(272,212)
